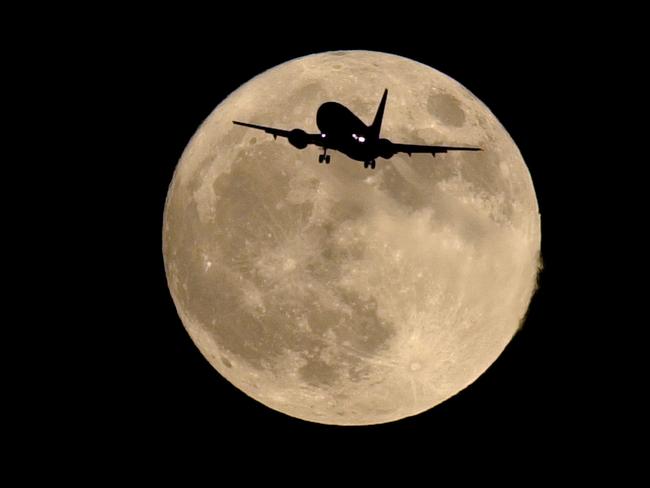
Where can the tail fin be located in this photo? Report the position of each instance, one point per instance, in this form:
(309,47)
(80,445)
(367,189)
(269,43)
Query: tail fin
(375,128)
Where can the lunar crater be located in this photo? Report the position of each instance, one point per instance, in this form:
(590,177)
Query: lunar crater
(446,108)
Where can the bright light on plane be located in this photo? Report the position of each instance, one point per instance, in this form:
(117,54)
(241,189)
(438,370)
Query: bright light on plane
(362,139)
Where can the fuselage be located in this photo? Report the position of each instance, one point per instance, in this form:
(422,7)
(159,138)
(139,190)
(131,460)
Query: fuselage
(343,131)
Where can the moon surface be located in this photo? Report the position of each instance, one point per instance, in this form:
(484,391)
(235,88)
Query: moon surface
(343,295)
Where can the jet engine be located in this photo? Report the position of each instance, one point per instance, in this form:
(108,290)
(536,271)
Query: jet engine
(298,138)
(385,149)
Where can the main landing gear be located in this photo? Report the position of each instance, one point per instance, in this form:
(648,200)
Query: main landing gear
(324,157)
(369,164)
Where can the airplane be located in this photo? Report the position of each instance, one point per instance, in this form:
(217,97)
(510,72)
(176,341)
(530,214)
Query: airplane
(341,130)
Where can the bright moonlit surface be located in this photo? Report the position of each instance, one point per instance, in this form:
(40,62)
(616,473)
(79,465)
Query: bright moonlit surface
(339,294)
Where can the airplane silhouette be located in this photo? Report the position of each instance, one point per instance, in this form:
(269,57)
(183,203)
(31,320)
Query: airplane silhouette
(341,130)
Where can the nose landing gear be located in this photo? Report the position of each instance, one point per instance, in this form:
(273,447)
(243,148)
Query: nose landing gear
(324,158)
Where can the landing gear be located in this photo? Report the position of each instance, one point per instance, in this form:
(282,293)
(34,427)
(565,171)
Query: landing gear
(369,164)
(324,157)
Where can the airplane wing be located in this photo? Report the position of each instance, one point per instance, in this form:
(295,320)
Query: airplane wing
(297,137)
(268,130)
(433,150)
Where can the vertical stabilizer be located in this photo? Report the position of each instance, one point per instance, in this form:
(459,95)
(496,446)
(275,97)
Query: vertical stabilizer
(375,128)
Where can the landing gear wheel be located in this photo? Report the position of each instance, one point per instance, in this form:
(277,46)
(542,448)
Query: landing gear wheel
(321,158)
(369,164)
(327,159)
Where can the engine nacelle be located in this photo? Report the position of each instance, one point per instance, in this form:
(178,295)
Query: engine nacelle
(298,138)
(385,149)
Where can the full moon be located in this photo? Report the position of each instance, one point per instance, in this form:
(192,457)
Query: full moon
(343,295)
